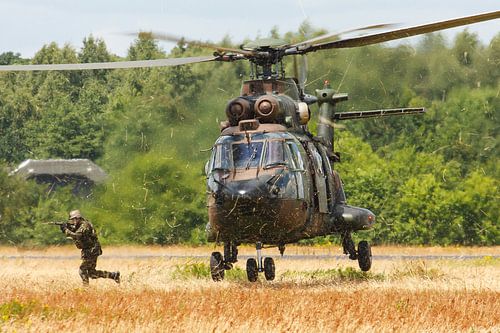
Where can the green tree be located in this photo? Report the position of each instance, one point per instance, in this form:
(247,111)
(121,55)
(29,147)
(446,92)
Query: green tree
(155,199)
(465,47)
(10,58)
(94,50)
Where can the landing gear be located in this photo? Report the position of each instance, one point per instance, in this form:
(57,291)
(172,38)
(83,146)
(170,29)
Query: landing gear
(254,267)
(348,246)
(219,264)
(230,254)
(363,254)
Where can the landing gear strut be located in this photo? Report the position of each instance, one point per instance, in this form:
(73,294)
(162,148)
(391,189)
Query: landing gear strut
(348,246)
(230,254)
(363,254)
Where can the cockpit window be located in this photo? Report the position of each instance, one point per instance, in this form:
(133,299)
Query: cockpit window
(266,150)
(296,157)
(221,157)
(275,154)
(247,155)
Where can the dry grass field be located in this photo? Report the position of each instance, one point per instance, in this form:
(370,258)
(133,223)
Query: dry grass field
(41,292)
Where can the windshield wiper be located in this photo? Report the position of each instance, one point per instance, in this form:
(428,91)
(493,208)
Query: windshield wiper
(252,157)
(270,165)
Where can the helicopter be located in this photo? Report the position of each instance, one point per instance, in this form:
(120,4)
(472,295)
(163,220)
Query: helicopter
(270,182)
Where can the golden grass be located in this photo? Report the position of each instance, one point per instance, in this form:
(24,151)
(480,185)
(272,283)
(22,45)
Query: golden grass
(174,295)
(249,250)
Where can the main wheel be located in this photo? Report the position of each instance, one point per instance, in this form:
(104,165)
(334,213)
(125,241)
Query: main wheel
(269,269)
(364,256)
(217,266)
(252,270)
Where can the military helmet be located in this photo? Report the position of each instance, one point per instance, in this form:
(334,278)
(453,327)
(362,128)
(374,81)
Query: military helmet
(74,214)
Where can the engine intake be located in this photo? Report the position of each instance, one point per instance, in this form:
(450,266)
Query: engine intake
(277,109)
(239,109)
(267,108)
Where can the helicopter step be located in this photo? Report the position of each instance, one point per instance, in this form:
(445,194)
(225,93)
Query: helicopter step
(363,254)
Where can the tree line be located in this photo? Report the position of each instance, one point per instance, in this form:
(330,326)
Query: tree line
(431,179)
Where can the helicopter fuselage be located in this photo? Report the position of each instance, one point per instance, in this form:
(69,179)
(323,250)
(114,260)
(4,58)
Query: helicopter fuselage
(273,182)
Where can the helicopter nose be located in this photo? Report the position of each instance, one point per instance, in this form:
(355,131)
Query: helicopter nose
(355,217)
(369,220)
(247,189)
(249,192)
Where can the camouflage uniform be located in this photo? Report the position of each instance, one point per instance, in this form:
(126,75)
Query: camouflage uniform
(85,238)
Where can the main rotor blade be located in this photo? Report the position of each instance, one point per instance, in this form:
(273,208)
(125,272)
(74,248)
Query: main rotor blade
(176,39)
(108,65)
(405,32)
(377,113)
(338,34)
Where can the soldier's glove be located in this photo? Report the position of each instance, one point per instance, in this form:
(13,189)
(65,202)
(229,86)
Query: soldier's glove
(63,227)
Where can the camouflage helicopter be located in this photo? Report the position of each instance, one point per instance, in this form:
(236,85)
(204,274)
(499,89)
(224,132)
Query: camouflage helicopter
(270,181)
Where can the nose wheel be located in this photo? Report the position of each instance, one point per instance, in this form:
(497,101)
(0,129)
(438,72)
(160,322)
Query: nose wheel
(256,266)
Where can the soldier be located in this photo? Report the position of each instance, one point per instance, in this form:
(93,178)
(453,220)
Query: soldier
(85,238)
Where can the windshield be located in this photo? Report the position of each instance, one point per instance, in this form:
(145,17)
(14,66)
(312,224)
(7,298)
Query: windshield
(247,155)
(275,154)
(265,150)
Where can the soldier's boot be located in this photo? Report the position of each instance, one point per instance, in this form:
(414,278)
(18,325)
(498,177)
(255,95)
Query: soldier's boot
(84,276)
(115,276)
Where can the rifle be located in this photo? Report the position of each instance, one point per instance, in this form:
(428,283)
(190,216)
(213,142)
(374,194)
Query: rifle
(62,224)
(56,223)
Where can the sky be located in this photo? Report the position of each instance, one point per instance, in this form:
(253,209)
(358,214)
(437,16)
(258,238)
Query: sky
(27,25)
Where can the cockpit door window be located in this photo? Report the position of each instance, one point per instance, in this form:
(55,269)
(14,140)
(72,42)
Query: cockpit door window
(296,157)
(221,157)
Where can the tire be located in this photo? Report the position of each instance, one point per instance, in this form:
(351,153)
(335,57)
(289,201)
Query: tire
(217,266)
(364,256)
(269,269)
(252,270)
